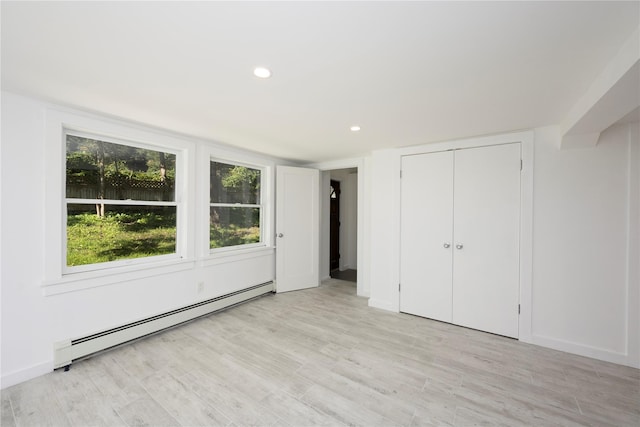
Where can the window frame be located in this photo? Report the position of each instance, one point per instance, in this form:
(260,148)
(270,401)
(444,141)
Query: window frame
(66,269)
(262,206)
(58,119)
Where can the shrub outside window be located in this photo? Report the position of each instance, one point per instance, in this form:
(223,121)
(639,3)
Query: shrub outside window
(120,202)
(235,206)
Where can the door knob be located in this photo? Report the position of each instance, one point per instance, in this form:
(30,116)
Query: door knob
(280,235)
(459,246)
(446,246)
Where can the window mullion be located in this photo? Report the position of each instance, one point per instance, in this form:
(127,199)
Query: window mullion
(118,202)
(234,205)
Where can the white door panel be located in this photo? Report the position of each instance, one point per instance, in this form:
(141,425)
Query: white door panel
(297,228)
(486,236)
(426,228)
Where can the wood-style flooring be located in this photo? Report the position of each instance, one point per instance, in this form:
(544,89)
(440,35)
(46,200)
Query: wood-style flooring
(322,357)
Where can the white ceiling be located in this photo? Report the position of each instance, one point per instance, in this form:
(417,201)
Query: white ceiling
(406,72)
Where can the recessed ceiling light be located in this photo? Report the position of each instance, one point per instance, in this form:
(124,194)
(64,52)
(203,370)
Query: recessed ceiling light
(262,72)
(354,128)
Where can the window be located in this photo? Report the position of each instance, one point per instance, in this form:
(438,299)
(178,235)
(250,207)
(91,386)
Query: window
(235,206)
(120,202)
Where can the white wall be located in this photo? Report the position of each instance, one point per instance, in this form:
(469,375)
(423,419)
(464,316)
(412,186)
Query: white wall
(633,304)
(364,227)
(385,228)
(585,286)
(583,224)
(32,322)
(350,219)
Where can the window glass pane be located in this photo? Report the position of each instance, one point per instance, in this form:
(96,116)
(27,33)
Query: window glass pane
(234,184)
(233,226)
(105,170)
(123,232)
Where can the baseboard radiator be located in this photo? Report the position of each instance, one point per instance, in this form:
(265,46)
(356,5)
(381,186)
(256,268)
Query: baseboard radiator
(69,351)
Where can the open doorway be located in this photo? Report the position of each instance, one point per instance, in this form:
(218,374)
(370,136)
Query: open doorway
(355,171)
(341,223)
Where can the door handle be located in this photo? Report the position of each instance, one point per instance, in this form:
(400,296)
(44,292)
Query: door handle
(280,235)
(459,246)
(446,246)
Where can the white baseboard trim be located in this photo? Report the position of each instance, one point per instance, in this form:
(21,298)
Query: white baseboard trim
(26,374)
(322,279)
(585,350)
(381,304)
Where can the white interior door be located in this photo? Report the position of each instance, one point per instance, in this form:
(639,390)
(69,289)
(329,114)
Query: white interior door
(297,228)
(486,231)
(426,235)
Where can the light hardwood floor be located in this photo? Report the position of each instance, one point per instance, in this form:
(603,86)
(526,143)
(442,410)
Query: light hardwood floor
(322,357)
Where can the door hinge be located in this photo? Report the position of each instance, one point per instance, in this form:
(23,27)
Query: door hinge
(520,164)
(518,308)
(400,173)
(398,287)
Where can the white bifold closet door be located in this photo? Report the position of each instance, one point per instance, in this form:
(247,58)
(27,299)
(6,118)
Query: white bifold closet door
(426,233)
(460,232)
(486,280)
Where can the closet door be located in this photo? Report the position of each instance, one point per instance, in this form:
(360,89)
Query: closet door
(486,238)
(425,235)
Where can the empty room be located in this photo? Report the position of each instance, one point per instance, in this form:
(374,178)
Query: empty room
(320,213)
